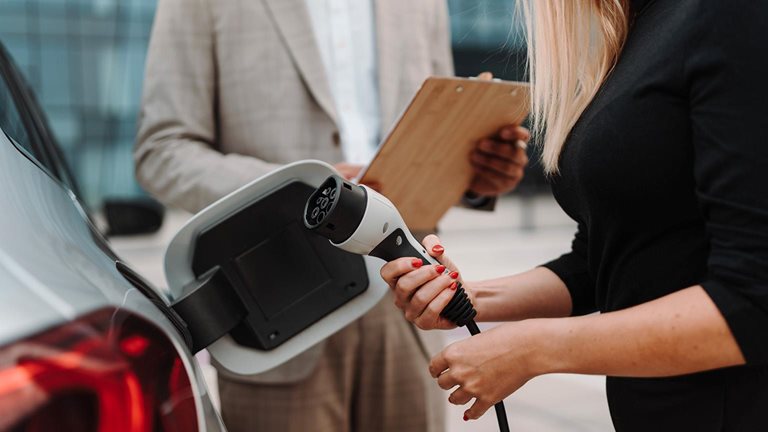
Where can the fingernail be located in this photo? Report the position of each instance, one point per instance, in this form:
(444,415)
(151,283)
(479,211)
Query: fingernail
(438,249)
(453,286)
(440,269)
(416,263)
(465,417)
(454,275)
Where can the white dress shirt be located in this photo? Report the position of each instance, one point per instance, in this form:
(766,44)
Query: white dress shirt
(346,35)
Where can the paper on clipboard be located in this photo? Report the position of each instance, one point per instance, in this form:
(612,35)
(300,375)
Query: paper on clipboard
(423,164)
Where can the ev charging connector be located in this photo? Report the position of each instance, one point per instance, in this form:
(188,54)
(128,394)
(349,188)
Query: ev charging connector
(357,219)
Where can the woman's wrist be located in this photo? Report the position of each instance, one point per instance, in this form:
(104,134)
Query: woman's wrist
(488,299)
(482,294)
(537,293)
(471,289)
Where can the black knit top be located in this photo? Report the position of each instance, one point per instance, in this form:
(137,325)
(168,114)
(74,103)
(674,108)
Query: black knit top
(666,172)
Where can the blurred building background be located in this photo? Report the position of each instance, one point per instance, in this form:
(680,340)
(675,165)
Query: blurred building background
(85,61)
(486,36)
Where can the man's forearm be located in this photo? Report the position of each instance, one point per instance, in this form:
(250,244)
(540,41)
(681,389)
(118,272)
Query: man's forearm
(537,293)
(680,333)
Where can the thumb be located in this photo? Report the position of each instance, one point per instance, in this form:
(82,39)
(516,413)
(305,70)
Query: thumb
(485,76)
(437,250)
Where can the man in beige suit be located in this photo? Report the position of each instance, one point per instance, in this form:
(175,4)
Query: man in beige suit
(234,89)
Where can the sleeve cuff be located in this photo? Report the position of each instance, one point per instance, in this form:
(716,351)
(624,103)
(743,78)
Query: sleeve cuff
(748,322)
(478,202)
(578,282)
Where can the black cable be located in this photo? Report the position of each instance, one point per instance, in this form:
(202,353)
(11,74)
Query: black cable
(501,413)
(462,313)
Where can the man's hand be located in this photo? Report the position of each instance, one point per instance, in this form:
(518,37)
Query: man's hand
(352,171)
(500,161)
(348,170)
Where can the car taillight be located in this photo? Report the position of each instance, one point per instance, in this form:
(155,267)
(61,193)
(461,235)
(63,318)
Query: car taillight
(108,371)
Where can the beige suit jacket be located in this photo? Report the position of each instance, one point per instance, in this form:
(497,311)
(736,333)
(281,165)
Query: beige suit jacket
(235,88)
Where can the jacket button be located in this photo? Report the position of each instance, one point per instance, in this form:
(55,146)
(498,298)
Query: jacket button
(336,139)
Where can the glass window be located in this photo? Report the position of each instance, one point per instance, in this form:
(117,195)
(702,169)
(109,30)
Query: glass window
(10,119)
(487,36)
(84,60)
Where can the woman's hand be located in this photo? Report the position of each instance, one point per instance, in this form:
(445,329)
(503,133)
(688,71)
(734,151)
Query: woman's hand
(487,367)
(423,291)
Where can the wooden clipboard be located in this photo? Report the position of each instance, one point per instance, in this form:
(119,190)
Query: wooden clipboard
(423,164)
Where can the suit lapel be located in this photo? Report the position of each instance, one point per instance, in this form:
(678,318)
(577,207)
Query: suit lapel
(387,18)
(293,22)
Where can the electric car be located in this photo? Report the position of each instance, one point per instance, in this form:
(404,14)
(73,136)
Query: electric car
(85,343)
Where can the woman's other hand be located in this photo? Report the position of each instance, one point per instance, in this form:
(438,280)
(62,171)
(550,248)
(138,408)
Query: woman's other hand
(423,291)
(486,367)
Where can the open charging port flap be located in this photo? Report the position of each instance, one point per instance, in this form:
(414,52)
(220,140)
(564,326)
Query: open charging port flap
(250,275)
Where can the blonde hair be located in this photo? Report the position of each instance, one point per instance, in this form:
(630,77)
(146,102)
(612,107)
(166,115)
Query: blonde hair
(572,47)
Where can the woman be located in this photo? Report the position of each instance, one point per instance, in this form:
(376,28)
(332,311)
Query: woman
(656,115)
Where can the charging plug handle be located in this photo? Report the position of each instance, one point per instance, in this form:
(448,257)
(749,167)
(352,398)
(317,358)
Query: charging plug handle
(459,310)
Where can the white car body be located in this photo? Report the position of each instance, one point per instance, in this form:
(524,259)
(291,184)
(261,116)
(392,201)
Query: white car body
(56,268)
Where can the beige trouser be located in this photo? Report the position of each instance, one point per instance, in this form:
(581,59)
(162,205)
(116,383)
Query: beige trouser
(372,376)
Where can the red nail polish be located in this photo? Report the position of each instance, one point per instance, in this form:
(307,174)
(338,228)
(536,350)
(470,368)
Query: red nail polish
(440,269)
(438,249)
(453,286)
(465,417)
(454,275)
(416,263)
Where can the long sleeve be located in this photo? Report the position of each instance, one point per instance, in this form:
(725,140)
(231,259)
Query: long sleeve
(176,153)
(727,70)
(573,269)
